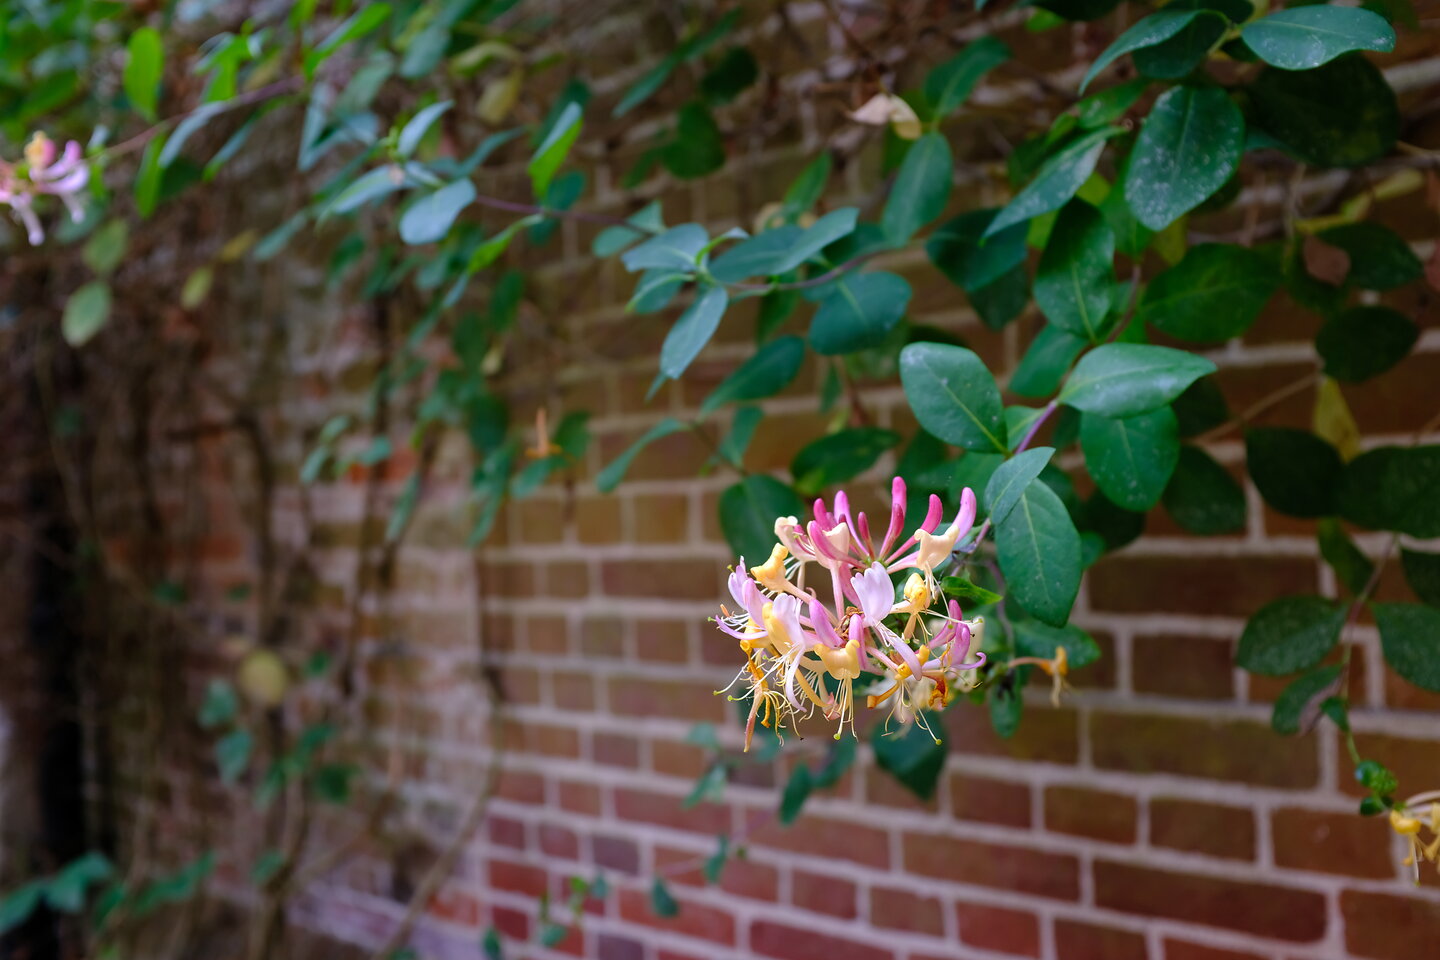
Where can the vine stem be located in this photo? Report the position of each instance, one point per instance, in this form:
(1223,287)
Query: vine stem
(270,91)
(1259,407)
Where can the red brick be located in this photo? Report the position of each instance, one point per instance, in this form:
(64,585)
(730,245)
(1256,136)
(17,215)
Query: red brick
(661,518)
(882,789)
(573,691)
(1387,926)
(993,865)
(602,637)
(1175,666)
(506,832)
(834,839)
(675,759)
(521,787)
(1085,941)
(557,841)
(769,939)
(666,810)
(512,923)
(671,699)
(999,928)
(663,641)
(615,853)
(1090,813)
(682,579)
(517,877)
(610,947)
(740,877)
(455,906)
(826,894)
(1326,842)
(1183,950)
(992,801)
(1050,736)
(906,910)
(1210,747)
(579,797)
(1232,586)
(615,750)
(1268,910)
(1197,827)
(694,919)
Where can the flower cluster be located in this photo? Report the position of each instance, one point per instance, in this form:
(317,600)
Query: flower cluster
(802,653)
(45,169)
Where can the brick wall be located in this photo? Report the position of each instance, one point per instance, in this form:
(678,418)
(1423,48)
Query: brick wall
(1153,815)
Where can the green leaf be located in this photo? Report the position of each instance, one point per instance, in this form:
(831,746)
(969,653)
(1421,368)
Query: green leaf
(363,22)
(1214,293)
(1182,53)
(148,179)
(1393,488)
(419,125)
(1039,552)
(1056,182)
(86,313)
(1200,408)
(1011,479)
(1036,639)
(1294,470)
(948,85)
(956,249)
(552,151)
(1045,362)
(698,147)
(921,190)
(1422,572)
(654,290)
(1295,699)
(725,81)
(714,865)
(1115,526)
(1352,568)
(833,226)
(661,902)
(692,331)
(17,905)
(1379,259)
(953,395)
(644,88)
(1202,496)
(612,240)
(220,706)
(429,219)
(913,756)
(1125,379)
(1410,639)
(1188,148)
(609,478)
(1363,342)
(765,374)
(676,249)
(748,510)
(1301,38)
(1289,635)
(839,457)
(106,247)
(1000,302)
(144,67)
(797,791)
(758,256)
(1342,114)
(66,890)
(232,754)
(1152,30)
(742,430)
(969,594)
(1132,459)
(1005,707)
(493,247)
(1074,282)
(860,313)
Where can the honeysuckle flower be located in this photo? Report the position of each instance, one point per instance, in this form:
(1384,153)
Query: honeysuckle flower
(804,653)
(45,170)
(1057,668)
(1406,824)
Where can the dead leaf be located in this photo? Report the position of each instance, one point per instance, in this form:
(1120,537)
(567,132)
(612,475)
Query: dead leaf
(1325,262)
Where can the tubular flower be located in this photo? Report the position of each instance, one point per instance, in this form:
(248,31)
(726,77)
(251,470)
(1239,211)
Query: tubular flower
(1405,822)
(804,653)
(45,170)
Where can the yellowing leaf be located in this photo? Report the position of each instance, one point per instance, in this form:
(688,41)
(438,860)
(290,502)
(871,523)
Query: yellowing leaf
(1170,242)
(499,98)
(886,108)
(1333,420)
(197,287)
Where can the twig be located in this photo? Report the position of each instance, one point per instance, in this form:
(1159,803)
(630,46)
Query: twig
(1259,407)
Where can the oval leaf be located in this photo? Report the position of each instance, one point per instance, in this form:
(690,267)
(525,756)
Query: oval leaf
(1125,379)
(922,187)
(692,331)
(1289,635)
(1131,460)
(1410,639)
(1362,342)
(953,395)
(765,374)
(1295,471)
(859,313)
(86,313)
(1202,497)
(1039,552)
(1301,38)
(1075,280)
(1058,180)
(1214,293)
(1188,148)
(429,218)
(1011,479)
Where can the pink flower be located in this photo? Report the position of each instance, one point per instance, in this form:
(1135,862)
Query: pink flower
(43,172)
